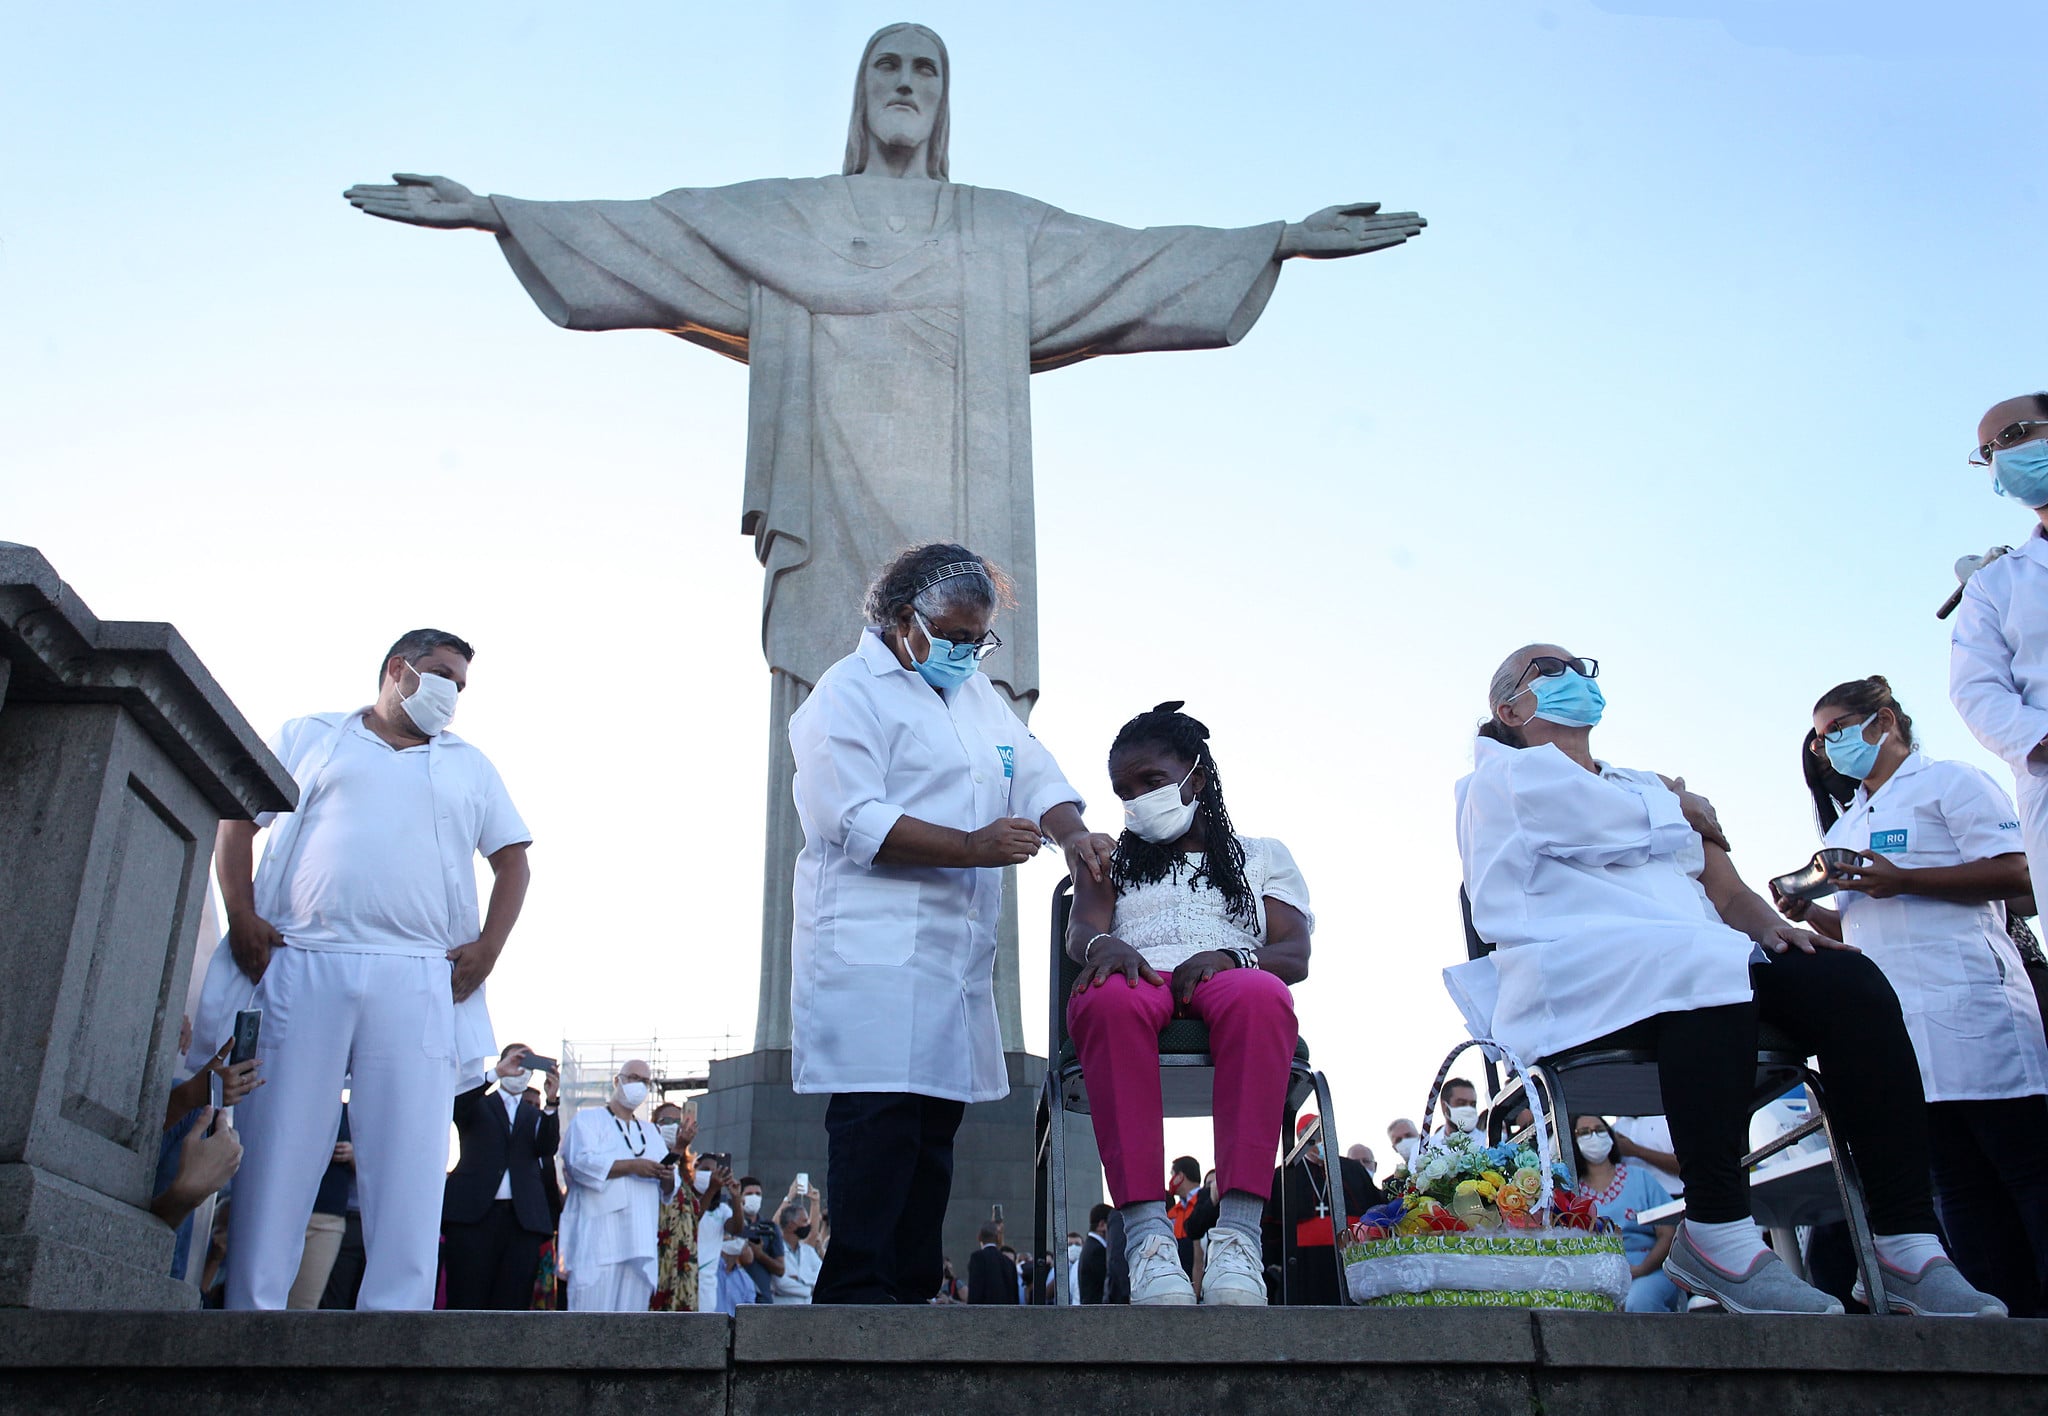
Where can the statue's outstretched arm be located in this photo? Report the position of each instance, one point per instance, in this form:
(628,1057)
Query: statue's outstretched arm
(426,201)
(1341,231)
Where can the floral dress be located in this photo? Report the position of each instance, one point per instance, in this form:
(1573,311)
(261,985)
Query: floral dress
(675,1248)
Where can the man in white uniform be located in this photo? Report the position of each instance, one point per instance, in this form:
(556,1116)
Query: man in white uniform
(1998,657)
(359,940)
(617,1182)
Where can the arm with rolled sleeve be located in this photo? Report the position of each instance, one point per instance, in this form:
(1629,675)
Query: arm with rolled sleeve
(1981,682)
(841,772)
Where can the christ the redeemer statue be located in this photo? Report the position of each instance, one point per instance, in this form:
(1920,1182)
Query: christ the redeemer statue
(890,320)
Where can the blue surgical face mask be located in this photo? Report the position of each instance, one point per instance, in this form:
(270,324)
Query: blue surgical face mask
(2022,473)
(940,669)
(1570,699)
(1850,754)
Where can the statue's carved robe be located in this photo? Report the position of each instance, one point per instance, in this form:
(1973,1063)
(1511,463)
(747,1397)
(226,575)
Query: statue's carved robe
(889,399)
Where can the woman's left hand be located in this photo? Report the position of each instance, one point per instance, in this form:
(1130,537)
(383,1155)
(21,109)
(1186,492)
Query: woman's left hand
(1871,875)
(1089,851)
(1780,937)
(1194,972)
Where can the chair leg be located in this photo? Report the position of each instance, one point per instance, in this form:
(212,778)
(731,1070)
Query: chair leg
(1333,1163)
(1056,1125)
(1286,1139)
(1850,1187)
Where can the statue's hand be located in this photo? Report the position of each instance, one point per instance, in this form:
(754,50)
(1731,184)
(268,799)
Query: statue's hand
(426,201)
(1348,231)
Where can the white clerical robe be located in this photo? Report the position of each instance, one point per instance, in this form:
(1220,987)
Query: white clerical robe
(889,369)
(605,1219)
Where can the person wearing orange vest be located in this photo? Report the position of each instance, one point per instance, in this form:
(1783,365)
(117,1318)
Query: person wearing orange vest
(1184,1184)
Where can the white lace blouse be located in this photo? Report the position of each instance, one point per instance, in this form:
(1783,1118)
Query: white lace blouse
(1168,922)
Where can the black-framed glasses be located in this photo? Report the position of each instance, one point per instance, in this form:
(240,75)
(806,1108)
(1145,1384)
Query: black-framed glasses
(980,649)
(1550,666)
(1837,732)
(2009,436)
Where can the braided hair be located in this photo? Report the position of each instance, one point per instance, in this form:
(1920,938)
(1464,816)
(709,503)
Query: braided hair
(1141,862)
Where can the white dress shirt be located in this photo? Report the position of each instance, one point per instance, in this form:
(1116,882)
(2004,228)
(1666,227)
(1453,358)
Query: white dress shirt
(893,984)
(1998,678)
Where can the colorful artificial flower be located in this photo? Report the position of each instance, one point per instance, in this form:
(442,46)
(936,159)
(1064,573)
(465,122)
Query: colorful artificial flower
(1529,1180)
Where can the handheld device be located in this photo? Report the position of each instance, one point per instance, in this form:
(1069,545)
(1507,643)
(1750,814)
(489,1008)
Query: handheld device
(803,1182)
(1810,881)
(995,1214)
(248,1025)
(537,1063)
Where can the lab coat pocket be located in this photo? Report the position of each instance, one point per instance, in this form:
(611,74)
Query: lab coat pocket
(874,919)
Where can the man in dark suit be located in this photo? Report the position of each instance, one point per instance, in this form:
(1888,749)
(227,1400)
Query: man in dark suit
(1310,1249)
(991,1278)
(495,1213)
(1095,1257)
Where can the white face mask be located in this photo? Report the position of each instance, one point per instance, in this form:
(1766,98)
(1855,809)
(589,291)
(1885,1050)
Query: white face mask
(669,1130)
(632,1093)
(516,1083)
(1160,816)
(431,706)
(1464,1118)
(702,1180)
(751,1204)
(1596,1146)
(1073,1252)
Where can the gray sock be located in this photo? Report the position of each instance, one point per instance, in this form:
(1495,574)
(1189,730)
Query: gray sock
(1242,1210)
(1145,1220)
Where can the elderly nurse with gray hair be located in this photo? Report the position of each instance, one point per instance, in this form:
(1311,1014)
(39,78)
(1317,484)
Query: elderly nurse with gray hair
(916,784)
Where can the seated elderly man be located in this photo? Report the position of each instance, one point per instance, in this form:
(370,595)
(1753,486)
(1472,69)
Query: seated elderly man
(1612,900)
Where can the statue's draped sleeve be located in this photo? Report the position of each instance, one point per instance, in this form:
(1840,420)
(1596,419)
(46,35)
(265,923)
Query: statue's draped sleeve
(631,265)
(1097,288)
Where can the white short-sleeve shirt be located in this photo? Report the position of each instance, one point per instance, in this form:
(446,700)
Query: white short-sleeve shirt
(1178,917)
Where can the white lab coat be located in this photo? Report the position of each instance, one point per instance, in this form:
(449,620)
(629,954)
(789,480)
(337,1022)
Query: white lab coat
(1589,888)
(893,986)
(1998,678)
(1971,1011)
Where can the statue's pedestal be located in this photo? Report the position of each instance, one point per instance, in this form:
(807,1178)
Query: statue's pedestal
(774,1134)
(119,755)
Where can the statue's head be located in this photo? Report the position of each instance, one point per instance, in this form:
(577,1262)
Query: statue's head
(902,98)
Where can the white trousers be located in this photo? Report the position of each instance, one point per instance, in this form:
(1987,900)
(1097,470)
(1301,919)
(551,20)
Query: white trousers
(382,1024)
(610,1288)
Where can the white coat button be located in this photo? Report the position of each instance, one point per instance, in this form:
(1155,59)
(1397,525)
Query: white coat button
(974,914)
(977,776)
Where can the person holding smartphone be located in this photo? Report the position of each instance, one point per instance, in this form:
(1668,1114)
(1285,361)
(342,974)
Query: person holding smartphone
(617,1181)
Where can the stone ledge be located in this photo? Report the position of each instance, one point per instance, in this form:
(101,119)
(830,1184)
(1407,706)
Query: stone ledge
(1728,1343)
(530,1342)
(1128,1336)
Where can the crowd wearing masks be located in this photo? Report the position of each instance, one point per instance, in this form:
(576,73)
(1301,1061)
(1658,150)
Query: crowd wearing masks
(1900,960)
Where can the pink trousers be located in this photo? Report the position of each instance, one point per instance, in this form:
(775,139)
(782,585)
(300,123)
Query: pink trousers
(1252,1033)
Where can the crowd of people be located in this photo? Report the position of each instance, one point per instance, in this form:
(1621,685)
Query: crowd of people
(1607,894)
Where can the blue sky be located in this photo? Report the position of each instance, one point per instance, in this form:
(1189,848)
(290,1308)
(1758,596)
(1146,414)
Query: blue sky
(1682,374)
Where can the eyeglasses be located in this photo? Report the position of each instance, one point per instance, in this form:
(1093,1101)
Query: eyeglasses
(1837,732)
(2009,436)
(1550,666)
(980,649)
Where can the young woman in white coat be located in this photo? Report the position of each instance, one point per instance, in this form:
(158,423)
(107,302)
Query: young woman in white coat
(1939,854)
(916,784)
(1612,902)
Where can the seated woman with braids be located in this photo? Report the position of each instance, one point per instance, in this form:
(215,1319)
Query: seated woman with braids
(1194,921)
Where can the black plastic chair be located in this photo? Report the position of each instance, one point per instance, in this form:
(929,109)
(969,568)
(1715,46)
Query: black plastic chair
(1617,1075)
(1186,1089)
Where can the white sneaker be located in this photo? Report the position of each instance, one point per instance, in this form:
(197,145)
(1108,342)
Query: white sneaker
(1157,1279)
(1233,1270)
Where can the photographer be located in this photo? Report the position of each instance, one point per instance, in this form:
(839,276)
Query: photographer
(494,1213)
(803,1252)
(765,1235)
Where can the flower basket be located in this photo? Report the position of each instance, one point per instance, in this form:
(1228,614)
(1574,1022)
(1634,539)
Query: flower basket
(1487,1227)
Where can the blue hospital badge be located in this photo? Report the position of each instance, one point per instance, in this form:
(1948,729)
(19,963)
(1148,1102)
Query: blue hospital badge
(1887,842)
(1009,756)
